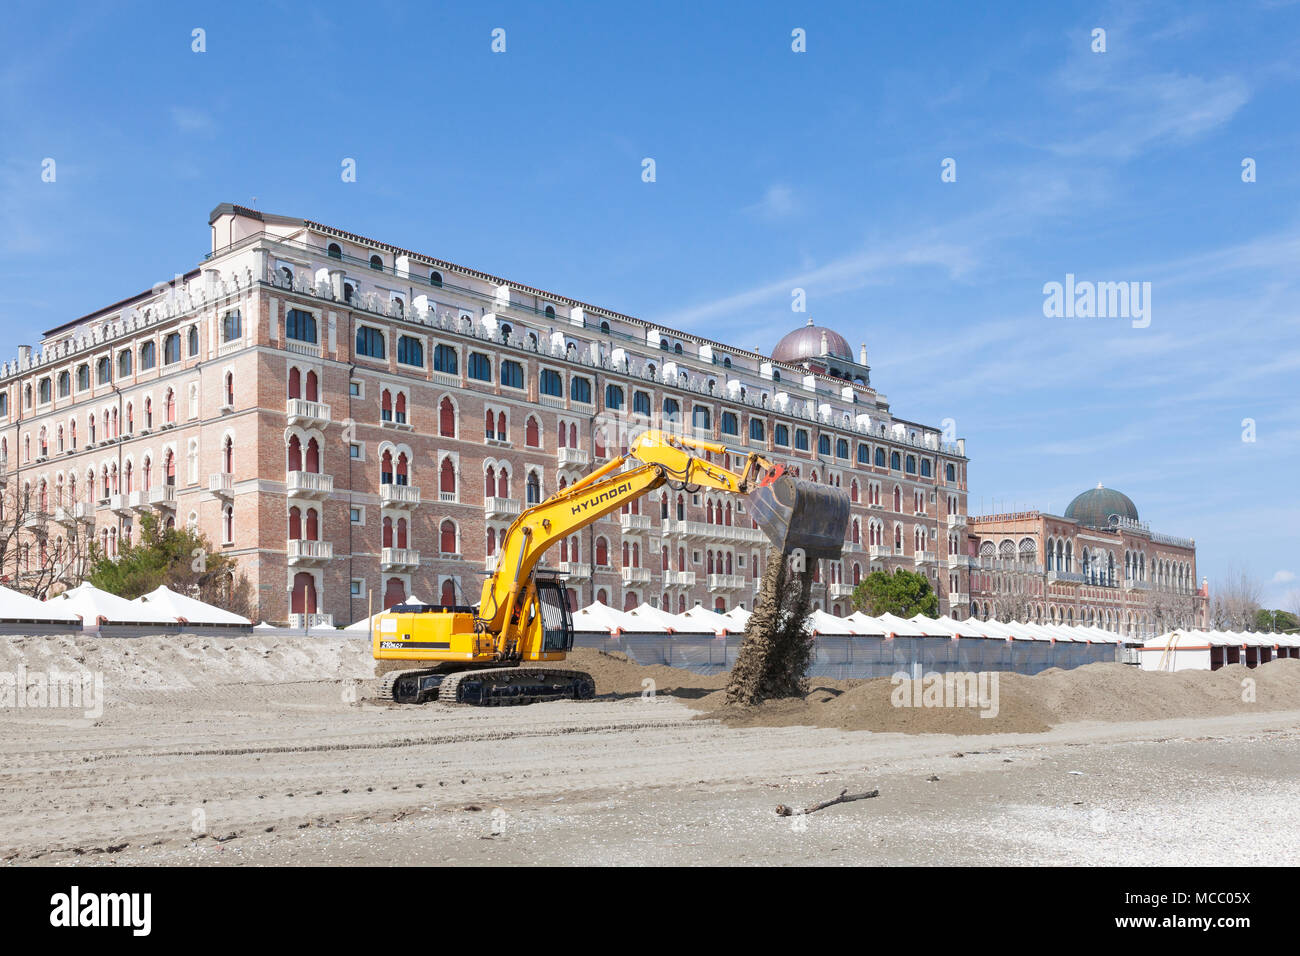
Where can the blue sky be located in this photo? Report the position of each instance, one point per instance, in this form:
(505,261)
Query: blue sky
(774,170)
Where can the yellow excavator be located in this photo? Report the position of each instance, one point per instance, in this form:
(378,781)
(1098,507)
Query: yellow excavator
(507,651)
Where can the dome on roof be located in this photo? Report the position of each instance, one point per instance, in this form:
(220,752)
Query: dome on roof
(1093,508)
(812,342)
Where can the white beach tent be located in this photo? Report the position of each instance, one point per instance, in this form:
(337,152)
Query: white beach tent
(651,619)
(867,625)
(721,624)
(739,618)
(822,623)
(188,610)
(599,618)
(16,607)
(1176,651)
(96,607)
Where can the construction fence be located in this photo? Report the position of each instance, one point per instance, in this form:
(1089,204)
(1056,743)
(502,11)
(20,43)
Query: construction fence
(861,657)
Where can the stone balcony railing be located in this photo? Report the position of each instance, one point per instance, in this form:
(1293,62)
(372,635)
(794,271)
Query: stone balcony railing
(679,579)
(302,412)
(573,458)
(496,508)
(635,575)
(574,570)
(221,483)
(630,522)
(880,551)
(726,582)
(392,558)
(309,484)
(399,496)
(162,496)
(304,551)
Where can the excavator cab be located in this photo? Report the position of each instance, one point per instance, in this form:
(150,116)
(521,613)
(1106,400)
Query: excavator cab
(557,624)
(795,513)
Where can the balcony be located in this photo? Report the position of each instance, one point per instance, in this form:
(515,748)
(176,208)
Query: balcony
(1064,577)
(852,547)
(401,424)
(1132,585)
(309,484)
(490,564)
(956,521)
(64,516)
(635,575)
(308,621)
(574,570)
(136,500)
(573,458)
(302,551)
(395,559)
(306,414)
(727,582)
(958,598)
(164,496)
(634,523)
(83,511)
(498,508)
(679,579)
(880,551)
(119,504)
(840,590)
(222,484)
(399,496)
(924,557)
(35,521)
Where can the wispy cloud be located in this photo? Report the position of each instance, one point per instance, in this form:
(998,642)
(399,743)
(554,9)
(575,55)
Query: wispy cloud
(778,202)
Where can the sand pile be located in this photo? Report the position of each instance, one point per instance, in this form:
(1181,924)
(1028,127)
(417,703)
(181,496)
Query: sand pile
(1024,704)
(182,662)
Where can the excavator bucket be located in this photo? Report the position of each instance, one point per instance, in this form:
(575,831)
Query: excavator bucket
(794,513)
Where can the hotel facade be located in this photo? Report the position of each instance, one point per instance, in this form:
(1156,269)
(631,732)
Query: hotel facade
(354,423)
(1099,564)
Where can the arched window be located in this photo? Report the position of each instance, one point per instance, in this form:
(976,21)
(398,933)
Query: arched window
(193,343)
(534,488)
(172,348)
(335,251)
(447,537)
(447,477)
(531,433)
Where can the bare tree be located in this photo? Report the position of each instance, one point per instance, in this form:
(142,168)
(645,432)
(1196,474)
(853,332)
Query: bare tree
(43,550)
(1237,597)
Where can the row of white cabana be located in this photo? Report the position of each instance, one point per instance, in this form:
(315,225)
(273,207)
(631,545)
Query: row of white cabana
(87,608)
(1210,650)
(858,645)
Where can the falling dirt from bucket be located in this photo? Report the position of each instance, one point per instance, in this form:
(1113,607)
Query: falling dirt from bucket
(776,652)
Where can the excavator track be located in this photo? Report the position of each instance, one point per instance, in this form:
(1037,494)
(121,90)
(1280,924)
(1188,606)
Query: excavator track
(486,687)
(514,686)
(415,686)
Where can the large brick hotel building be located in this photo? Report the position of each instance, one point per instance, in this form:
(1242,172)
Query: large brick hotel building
(355,421)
